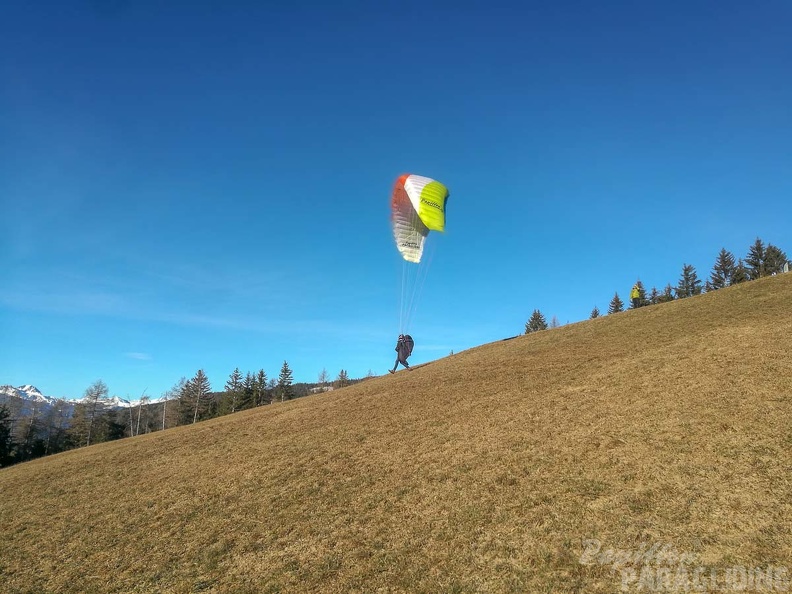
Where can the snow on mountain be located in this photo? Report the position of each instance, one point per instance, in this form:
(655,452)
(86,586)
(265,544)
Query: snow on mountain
(26,392)
(32,394)
(117,402)
(30,390)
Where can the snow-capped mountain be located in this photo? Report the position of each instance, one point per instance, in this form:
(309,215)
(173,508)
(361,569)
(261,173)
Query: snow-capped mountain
(26,392)
(32,396)
(116,402)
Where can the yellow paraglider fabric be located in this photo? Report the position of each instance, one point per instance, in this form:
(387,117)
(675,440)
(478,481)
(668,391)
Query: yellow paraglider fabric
(417,206)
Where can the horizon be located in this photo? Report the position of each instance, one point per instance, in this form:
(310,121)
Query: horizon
(209,188)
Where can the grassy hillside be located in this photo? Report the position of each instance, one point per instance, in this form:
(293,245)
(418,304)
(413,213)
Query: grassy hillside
(481,472)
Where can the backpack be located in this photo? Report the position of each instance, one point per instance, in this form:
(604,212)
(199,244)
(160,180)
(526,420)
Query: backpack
(409,343)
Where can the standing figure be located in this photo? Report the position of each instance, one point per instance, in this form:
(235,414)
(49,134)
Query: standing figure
(404,347)
(635,295)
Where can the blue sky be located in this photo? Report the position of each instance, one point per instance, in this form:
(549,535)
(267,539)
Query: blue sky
(206,185)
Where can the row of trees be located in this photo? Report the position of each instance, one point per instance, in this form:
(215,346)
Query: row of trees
(33,429)
(760,261)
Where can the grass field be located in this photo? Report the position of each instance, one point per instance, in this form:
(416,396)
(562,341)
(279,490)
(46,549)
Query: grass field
(503,468)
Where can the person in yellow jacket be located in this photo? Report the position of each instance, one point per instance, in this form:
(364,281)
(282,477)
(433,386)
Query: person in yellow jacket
(635,295)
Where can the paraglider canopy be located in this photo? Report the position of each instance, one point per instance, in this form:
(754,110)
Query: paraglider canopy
(417,207)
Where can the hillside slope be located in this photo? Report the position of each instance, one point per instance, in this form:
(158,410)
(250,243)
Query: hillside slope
(482,472)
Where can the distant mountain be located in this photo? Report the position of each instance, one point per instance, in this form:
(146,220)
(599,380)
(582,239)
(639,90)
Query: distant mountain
(27,399)
(26,392)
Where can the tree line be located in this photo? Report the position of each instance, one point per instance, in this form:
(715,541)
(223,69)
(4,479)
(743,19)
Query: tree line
(760,261)
(31,430)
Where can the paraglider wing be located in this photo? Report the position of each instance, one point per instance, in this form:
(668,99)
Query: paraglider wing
(428,197)
(417,206)
(408,229)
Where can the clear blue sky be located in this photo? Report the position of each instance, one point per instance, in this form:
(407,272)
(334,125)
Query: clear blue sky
(190,185)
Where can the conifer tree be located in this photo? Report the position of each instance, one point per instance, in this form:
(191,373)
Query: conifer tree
(595,313)
(654,296)
(342,379)
(755,260)
(285,390)
(233,391)
(741,273)
(689,283)
(186,402)
(616,304)
(248,399)
(667,295)
(195,396)
(774,260)
(722,271)
(113,427)
(261,388)
(6,439)
(536,323)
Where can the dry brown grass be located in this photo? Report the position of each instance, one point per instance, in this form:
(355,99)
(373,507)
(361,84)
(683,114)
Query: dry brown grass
(480,472)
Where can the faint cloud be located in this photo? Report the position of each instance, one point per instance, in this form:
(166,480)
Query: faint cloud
(139,356)
(42,299)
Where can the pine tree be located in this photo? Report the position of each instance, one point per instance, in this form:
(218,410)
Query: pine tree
(689,283)
(285,390)
(667,295)
(342,379)
(186,403)
(755,260)
(654,296)
(261,388)
(741,273)
(774,260)
(113,427)
(536,323)
(248,396)
(723,271)
(195,397)
(233,391)
(595,313)
(554,323)
(616,304)
(6,439)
